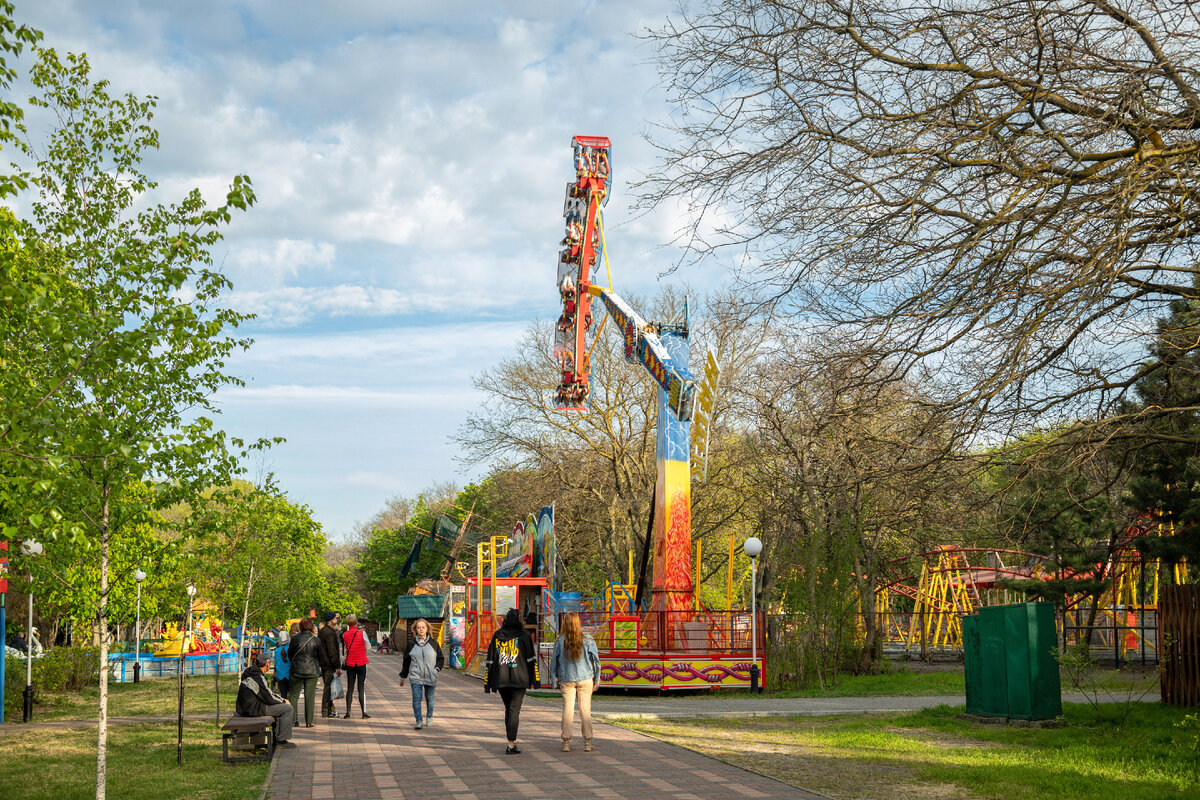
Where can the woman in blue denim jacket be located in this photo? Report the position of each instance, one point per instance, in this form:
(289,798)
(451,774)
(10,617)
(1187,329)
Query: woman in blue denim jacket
(576,667)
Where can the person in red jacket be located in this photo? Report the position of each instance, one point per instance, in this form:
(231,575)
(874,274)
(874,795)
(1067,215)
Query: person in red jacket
(355,639)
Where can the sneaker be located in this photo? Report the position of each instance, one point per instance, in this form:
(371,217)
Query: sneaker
(286,745)
(333,715)
(587,746)
(366,715)
(428,721)
(418,726)
(512,750)
(566,748)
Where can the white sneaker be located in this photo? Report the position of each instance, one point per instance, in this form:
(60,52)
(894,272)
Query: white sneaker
(428,721)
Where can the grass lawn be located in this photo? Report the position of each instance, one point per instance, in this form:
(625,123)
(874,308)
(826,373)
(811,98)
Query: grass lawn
(904,682)
(141,764)
(151,698)
(932,754)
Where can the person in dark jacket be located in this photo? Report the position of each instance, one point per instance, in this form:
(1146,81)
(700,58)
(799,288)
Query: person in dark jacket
(511,668)
(304,653)
(255,699)
(331,659)
(423,660)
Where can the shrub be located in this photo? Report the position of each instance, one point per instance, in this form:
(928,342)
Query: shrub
(59,670)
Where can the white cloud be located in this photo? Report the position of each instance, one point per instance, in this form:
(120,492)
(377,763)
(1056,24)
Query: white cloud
(283,258)
(409,161)
(345,396)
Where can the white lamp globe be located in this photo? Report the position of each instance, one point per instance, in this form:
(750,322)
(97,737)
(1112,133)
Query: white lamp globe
(752,547)
(139,576)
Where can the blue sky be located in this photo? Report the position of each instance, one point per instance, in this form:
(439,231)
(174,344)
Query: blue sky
(409,160)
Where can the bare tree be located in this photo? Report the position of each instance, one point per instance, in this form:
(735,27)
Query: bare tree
(995,193)
(599,466)
(844,478)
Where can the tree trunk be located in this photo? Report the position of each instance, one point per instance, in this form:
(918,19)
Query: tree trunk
(102,626)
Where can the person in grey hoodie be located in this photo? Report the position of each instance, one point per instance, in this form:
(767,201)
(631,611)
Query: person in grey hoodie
(422,662)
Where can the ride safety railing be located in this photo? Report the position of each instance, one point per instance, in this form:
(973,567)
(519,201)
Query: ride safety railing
(680,633)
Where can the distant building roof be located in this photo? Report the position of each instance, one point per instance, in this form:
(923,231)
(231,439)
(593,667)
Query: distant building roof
(412,606)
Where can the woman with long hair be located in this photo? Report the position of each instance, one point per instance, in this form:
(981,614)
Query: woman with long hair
(576,666)
(422,662)
(512,667)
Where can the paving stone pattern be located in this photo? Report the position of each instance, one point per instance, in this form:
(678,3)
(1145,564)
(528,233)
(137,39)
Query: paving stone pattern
(461,757)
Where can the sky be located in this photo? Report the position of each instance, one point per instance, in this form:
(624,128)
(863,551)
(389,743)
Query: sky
(409,160)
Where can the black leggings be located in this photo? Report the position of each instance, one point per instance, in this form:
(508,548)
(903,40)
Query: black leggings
(359,673)
(284,685)
(512,710)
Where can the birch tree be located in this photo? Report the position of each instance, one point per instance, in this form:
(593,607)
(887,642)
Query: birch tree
(138,341)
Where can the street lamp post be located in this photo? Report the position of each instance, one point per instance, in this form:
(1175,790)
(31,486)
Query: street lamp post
(31,548)
(752,548)
(191,592)
(138,576)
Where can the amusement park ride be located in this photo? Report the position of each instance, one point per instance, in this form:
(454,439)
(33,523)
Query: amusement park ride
(669,642)
(924,598)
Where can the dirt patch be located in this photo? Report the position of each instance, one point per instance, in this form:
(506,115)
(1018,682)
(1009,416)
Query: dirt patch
(943,739)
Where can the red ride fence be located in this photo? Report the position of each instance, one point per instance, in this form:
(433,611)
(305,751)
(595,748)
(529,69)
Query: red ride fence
(677,633)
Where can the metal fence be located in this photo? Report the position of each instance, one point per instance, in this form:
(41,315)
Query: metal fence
(1118,635)
(121,666)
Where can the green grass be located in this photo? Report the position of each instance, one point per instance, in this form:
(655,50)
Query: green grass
(141,764)
(903,682)
(933,754)
(898,683)
(151,698)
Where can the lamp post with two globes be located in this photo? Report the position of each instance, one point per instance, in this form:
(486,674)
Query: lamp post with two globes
(191,593)
(31,548)
(138,576)
(752,547)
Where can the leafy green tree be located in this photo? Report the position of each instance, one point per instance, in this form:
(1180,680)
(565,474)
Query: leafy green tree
(260,556)
(138,341)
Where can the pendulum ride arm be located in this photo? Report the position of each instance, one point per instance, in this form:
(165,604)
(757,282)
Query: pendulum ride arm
(661,349)
(643,345)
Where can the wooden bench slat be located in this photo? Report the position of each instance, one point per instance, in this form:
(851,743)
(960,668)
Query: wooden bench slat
(247,723)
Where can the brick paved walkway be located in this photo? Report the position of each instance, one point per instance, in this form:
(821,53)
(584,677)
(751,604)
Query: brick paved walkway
(462,756)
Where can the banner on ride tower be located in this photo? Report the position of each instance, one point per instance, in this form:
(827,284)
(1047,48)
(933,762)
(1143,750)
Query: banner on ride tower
(703,416)
(672,584)
(534,548)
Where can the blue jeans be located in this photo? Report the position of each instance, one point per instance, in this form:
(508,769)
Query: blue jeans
(419,689)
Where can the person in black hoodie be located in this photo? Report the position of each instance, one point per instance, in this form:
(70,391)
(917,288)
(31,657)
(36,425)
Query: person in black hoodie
(511,668)
(255,699)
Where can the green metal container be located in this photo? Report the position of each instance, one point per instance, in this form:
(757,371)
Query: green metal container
(1013,665)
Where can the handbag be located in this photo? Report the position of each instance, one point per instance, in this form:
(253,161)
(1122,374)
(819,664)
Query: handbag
(336,690)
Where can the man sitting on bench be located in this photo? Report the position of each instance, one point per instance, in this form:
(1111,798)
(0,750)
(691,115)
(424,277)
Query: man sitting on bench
(255,699)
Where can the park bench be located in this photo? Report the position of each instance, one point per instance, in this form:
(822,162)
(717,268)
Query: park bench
(248,735)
